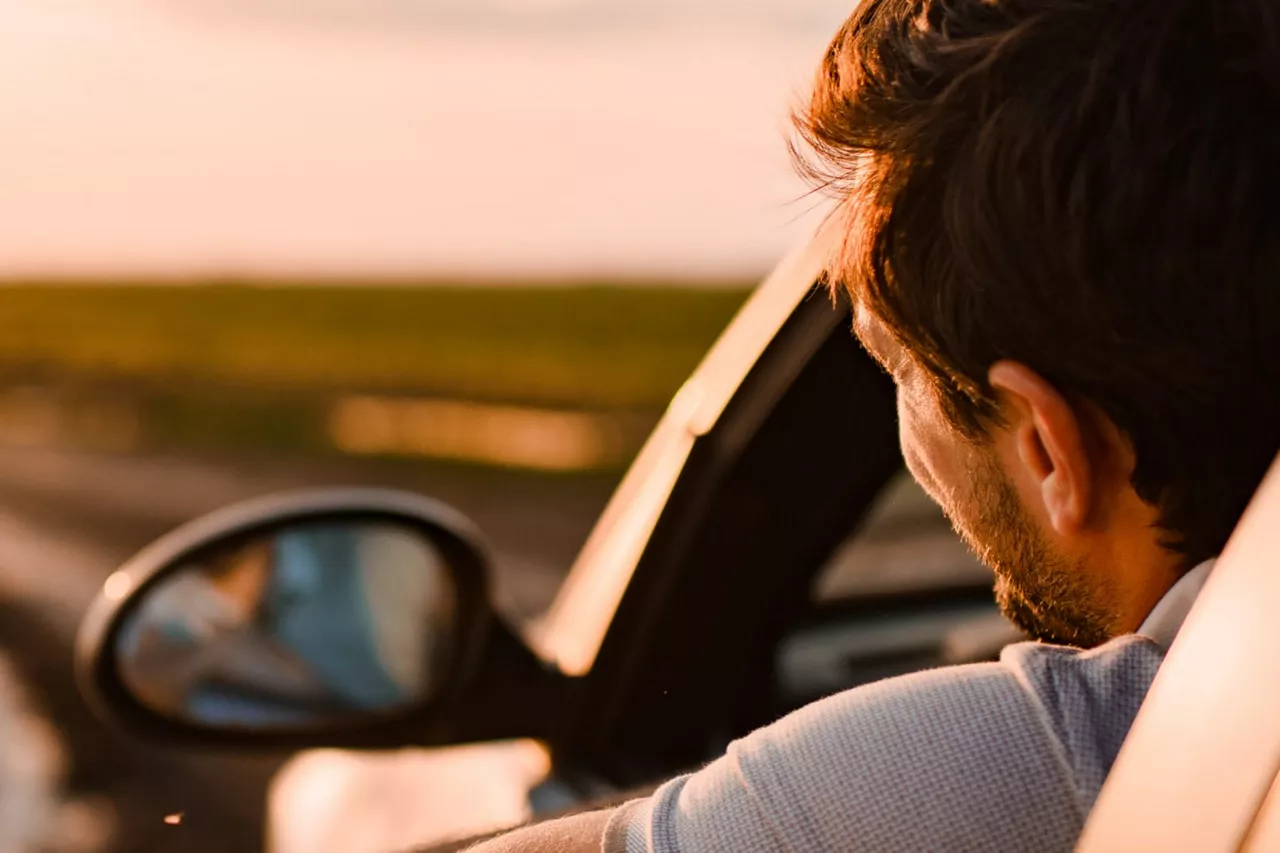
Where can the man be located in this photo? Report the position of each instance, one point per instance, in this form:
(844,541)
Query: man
(1062,238)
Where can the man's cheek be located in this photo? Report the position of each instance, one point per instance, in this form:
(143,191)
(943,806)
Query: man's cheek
(917,465)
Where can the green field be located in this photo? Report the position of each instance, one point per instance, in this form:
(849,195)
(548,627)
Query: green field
(248,369)
(598,347)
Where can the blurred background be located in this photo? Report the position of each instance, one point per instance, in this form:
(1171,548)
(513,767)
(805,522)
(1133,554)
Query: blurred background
(466,247)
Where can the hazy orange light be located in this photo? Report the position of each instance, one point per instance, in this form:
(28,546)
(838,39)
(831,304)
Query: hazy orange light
(474,432)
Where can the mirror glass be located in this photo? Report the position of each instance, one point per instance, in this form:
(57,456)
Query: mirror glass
(306,625)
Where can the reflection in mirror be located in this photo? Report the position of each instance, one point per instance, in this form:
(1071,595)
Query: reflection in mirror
(299,627)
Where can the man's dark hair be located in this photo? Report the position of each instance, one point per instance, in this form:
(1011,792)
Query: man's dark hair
(1090,187)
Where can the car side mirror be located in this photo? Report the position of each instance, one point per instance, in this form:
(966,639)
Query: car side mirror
(299,619)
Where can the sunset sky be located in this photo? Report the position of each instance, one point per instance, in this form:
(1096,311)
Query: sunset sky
(172,140)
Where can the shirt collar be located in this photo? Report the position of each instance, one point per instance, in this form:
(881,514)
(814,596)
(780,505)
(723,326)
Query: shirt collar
(1166,618)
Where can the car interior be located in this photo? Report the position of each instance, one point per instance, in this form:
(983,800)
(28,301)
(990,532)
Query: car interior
(901,594)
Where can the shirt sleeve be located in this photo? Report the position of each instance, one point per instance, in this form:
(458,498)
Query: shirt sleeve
(962,758)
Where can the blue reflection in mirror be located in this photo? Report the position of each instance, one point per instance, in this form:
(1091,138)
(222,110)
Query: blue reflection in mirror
(306,625)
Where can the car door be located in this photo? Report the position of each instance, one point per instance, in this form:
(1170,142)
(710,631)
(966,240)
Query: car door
(685,491)
(641,635)
(765,549)
(714,617)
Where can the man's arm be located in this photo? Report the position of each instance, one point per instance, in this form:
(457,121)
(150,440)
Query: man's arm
(590,808)
(577,834)
(960,758)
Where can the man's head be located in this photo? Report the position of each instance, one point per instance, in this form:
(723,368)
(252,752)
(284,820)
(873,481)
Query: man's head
(1062,238)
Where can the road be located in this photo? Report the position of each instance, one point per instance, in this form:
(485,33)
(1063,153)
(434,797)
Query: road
(68,518)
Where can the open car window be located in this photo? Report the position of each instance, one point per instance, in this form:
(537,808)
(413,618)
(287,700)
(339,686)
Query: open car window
(905,544)
(901,594)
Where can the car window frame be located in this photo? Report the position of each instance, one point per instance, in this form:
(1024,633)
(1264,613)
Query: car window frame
(675,673)
(573,630)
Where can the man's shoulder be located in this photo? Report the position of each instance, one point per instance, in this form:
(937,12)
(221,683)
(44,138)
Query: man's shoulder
(1089,698)
(1006,755)
(1063,691)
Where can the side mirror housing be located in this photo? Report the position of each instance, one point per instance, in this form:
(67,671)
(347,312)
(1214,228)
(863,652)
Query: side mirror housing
(341,617)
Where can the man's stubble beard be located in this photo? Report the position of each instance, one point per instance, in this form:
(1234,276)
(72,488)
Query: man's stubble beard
(1046,595)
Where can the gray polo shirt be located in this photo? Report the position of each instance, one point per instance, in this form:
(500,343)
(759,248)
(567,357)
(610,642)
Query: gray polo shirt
(1006,756)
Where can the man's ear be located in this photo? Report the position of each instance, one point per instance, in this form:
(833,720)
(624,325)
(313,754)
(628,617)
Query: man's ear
(1050,439)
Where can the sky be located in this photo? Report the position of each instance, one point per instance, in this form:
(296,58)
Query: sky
(436,138)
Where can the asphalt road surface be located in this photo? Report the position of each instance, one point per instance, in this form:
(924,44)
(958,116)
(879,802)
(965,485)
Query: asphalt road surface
(67,519)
